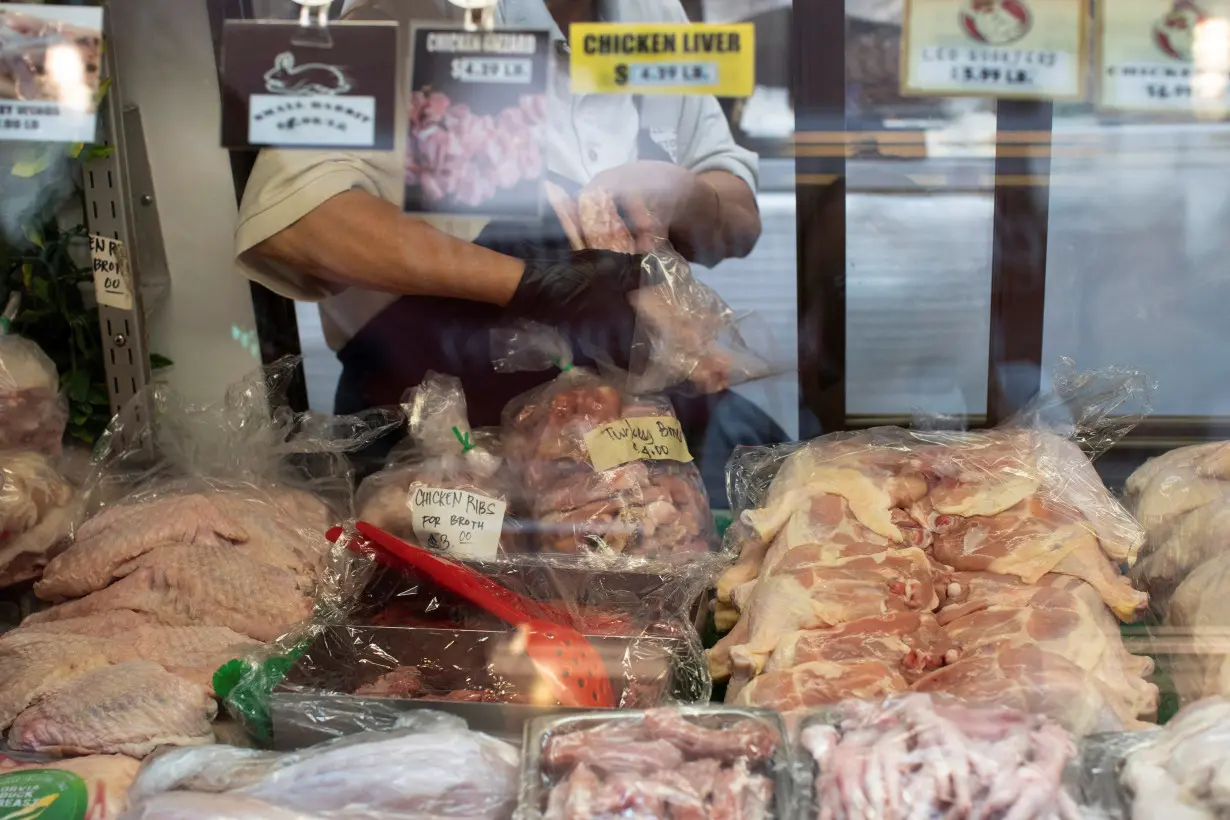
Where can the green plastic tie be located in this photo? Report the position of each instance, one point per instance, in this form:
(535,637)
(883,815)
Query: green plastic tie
(559,364)
(6,326)
(464,438)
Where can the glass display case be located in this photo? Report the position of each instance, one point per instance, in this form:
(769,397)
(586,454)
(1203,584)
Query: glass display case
(403,366)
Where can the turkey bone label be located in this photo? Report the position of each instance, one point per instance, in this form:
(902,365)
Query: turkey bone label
(279,89)
(652,438)
(1164,56)
(47,794)
(655,58)
(50,61)
(1023,49)
(457,521)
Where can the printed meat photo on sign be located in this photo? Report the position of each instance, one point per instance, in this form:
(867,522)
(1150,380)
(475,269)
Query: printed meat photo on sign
(50,57)
(478,116)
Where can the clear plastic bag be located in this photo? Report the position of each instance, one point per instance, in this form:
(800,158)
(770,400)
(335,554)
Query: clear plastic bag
(33,414)
(429,766)
(603,474)
(924,756)
(887,522)
(37,508)
(442,453)
(1181,773)
(672,762)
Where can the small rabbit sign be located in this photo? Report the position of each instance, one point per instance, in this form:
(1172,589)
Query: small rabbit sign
(280,91)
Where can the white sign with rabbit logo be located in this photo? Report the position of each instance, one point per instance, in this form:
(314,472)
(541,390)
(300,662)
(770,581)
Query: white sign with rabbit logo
(307,104)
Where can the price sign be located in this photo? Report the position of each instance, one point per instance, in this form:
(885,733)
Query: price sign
(1001,48)
(457,521)
(493,71)
(685,58)
(112,276)
(652,438)
(1164,56)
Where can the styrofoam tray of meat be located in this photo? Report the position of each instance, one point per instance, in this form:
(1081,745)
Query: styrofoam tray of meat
(694,762)
(919,756)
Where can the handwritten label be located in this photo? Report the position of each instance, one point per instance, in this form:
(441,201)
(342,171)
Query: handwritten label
(676,58)
(653,438)
(299,120)
(1164,57)
(112,274)
(995,48)
(457,521)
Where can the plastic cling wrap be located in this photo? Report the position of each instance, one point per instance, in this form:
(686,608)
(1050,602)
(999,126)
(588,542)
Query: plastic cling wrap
(33,414)
(431,766)
(602,473)
(697,762)
(1183,774)
(36,514)
(919,756)
(984,564)
(445,488)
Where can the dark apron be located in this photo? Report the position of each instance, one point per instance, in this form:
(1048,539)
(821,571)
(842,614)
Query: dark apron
(416,334)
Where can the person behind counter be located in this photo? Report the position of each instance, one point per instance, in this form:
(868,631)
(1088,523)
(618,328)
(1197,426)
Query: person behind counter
(403,294)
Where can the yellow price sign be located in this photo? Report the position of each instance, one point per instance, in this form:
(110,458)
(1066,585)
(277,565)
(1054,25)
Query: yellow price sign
(662,58)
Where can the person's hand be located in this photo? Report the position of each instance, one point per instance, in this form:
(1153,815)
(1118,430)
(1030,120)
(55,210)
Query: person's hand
(653,199)
(585,298)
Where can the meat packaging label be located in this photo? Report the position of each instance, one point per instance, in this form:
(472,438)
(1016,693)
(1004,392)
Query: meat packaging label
(663,58)
(457,521)
(653,438)
(50,61)
(477,122)
(46,794)
(335,89)
(1027,49)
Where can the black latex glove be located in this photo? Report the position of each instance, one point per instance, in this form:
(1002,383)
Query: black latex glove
(585,298)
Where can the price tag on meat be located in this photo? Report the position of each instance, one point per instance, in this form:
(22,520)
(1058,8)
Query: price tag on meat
(683,58)
(1032,49)
(281,89)
(478,118)
(112,274)
(1166,57)
(654,438)
(457,521)
(50,58)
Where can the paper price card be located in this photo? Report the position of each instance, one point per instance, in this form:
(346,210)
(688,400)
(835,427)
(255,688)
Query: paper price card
(1165,56)
(50,62)
(279,90)
(652,438)
(457,521)
(1029,49)
(112,274)
(645,58)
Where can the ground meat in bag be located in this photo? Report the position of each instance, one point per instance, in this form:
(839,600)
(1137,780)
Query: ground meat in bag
(32,412)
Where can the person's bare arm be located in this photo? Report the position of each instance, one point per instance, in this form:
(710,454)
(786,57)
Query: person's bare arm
(721,221)
(358,239)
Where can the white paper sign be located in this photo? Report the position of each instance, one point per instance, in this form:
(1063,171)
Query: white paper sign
(112,274)
(344,121)
(457,521)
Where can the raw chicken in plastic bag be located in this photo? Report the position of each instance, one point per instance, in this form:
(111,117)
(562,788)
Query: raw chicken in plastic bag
(202,536)
(924,756)
(444,487)
(602,472)
(37,507)
(860,535)
(33,414)
(431,766)
(698,762)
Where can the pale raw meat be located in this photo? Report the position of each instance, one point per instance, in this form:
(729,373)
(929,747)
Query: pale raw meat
(190,585)
(33,664)
(1030,540)
(216,768)
(1209,461)
(1199,606)
(30,487)
(601,224)
(808,590)
(1196,537)
(194,806)
(1185,773)
(819,683)
(24,556)
(1031,680)
(32,412)
(192,652)
(106,777)
(129,708)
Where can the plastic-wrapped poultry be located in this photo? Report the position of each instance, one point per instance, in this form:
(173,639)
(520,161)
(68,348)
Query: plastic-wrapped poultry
(442,454)
(1184,773)
(33,414)
(37,510)
(919,756)
(430,767)
(601,471)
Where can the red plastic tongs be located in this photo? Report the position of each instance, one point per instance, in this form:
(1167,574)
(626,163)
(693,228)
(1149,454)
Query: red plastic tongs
(561,655)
